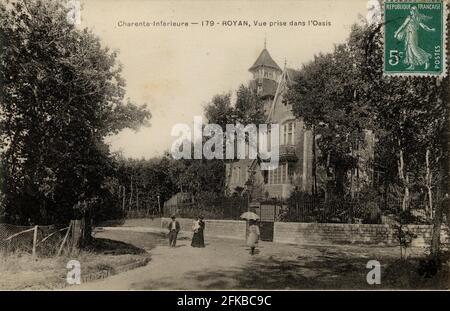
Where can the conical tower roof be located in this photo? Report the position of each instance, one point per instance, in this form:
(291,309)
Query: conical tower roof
(264,59)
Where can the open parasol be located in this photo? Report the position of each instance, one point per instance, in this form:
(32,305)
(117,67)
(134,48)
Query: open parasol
(250,216)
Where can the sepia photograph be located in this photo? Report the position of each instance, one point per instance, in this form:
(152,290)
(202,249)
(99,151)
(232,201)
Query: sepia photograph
(194,145)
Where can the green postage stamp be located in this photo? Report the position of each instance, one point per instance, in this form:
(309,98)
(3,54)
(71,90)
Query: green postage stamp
(415,38)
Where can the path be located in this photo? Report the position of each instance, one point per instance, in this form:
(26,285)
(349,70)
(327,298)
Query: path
(227,264)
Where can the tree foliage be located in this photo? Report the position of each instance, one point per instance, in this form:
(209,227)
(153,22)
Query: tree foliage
(61,93)
(345,92)
(247,109)
(142,181)
(326,94)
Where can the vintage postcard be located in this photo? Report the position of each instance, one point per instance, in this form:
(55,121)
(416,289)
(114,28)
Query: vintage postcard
(224,145)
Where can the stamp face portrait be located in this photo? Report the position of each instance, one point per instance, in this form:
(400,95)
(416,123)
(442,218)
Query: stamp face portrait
(414,38)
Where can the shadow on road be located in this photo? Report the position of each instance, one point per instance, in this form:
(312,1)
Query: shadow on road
(229,265)
(142,240)
(112,247)
(321,272)
(329,270)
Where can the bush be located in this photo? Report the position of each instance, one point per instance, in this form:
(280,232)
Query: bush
(416,274)
(372,214)
(429,267)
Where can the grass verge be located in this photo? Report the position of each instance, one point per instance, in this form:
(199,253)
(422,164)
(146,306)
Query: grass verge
(104,257)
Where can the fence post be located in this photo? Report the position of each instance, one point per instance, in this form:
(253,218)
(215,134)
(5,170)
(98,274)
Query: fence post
(159,207)
(34,240)
(351,210)
(77,228)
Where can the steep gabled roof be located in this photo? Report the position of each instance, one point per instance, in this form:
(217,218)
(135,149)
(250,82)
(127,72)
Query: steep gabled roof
(286,79)
(264,59)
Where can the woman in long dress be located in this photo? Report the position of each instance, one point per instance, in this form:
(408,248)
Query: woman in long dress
(253,236)
(408,31)
(198,228)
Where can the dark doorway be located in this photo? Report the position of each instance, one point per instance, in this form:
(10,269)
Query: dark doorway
(266,230)
(267,214)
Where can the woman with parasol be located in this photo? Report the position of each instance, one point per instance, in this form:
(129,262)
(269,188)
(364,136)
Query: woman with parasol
(253,230)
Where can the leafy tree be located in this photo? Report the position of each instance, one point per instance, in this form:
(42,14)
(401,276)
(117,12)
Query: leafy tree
(411,116)
(61,95)
(325,95)
(219,110)
(249,108)
(164,177)
(142,181)
(343,93)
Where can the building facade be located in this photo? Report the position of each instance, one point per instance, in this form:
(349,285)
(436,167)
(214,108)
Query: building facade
(270,82)
(297,150)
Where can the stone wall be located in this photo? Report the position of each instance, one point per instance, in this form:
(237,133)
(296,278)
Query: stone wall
(302,233)
(314,233)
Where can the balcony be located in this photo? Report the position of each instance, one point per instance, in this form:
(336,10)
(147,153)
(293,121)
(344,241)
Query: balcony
(287,153)
(279,190)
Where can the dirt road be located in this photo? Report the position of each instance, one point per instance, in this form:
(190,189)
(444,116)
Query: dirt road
(227,264)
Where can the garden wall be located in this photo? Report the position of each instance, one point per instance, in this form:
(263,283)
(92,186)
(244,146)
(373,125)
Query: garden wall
(303,233)
(315,233)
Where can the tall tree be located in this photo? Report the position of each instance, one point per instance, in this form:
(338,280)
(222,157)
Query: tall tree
(411,116)
(219,110)
(326,97)
(61,93)
(345,92)
(249,108)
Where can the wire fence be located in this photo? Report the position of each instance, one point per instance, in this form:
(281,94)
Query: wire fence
(36,240)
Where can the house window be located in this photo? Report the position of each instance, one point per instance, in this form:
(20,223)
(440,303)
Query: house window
(290,173)
(281,175)
(276,178)
(236,175)
(266,176)
(288,133)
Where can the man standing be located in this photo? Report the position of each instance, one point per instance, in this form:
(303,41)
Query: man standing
(174,227)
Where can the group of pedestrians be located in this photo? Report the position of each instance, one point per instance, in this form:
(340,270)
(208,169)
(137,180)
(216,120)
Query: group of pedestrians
(198,228)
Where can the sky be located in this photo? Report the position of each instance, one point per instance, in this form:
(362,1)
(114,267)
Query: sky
(177,70)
